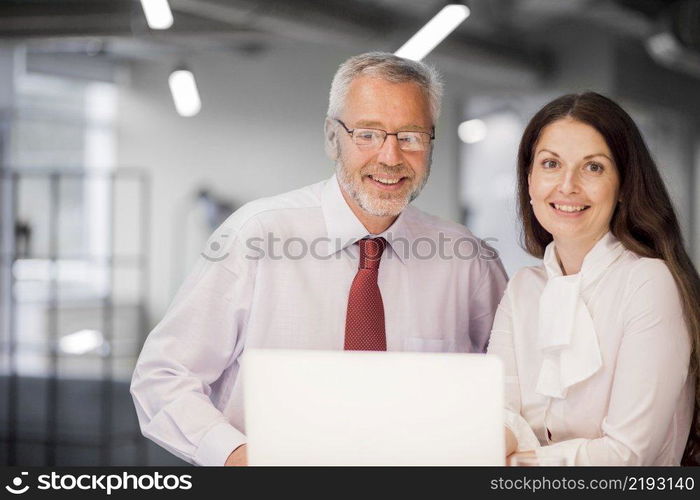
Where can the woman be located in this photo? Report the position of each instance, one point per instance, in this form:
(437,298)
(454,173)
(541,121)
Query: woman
(601,342)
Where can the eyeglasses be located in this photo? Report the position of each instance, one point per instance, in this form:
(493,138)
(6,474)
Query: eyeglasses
(373,138)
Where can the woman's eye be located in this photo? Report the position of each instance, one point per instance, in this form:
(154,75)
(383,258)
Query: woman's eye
(549,164)
(594,168)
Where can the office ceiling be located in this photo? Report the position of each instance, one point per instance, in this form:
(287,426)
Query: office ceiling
(507,33)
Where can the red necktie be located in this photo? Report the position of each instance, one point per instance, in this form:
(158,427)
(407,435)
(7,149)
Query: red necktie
(364,324)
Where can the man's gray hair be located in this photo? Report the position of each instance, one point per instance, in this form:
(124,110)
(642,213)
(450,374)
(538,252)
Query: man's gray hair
(387,67)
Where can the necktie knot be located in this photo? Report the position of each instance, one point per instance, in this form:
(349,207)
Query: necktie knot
(371,250)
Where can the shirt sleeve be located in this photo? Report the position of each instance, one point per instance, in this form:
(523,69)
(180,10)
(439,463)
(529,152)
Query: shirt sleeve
(501,345)
(650,373)
(484,301)
(189,349)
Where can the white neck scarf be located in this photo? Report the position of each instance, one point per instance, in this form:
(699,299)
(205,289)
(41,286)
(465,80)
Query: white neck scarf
(566,335)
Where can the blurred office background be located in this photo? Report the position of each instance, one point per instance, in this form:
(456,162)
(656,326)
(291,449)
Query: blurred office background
(107,194)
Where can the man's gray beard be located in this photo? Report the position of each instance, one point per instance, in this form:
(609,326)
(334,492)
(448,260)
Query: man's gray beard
(374,206)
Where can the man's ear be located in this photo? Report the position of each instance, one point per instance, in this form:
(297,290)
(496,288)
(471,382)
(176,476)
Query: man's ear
(331,139)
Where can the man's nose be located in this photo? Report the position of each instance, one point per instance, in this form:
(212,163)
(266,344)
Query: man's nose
(390,153)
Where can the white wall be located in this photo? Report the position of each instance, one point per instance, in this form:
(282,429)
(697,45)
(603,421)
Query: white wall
(259,133)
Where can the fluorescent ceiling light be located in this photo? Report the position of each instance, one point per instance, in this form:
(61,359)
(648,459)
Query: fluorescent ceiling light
(184,91)
(663,45)
(472,131)
(434,32)
(158,14)
(81,342)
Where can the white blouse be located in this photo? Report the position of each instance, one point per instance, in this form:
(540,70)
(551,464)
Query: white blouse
(596,362)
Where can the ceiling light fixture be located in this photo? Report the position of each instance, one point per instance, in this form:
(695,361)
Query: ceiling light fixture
(472,131)
(158,14)
(183,87)
(434,32)
(81,342)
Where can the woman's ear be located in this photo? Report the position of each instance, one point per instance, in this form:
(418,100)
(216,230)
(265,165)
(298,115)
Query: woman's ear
(331,139)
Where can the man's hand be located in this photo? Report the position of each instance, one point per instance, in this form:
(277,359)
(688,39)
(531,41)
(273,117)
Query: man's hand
(238,457)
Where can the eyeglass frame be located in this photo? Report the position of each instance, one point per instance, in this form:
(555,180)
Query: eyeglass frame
(387,134)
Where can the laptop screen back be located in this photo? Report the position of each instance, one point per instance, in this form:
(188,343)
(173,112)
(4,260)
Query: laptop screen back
(372,408)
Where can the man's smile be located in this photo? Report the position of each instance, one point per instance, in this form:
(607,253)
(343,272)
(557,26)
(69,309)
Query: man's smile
(387,183)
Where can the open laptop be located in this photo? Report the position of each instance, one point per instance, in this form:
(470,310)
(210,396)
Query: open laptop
(372,408)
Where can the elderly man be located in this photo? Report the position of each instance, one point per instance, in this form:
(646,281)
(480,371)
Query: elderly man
(343,264)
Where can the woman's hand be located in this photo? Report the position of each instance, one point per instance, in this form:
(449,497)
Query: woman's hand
(238,457)
(511,442)
(530,455)
(512,446)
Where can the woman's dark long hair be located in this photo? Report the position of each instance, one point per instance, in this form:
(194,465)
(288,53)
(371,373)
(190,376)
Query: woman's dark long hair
(644,221)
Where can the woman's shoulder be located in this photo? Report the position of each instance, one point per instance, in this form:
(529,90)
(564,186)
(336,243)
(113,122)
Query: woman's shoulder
(641,282)
(635,270)
(646,272)
(632,271)
(530,277)
(530,272)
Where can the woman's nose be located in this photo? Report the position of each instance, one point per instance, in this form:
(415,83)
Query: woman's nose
(569,181)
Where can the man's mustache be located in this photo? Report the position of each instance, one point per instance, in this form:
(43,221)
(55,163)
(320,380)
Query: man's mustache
(394,171)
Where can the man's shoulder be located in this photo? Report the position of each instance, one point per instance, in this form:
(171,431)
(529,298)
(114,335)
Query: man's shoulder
(301,198)
(425,224)
(457,243)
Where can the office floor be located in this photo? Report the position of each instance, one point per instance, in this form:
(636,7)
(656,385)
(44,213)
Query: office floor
(78,419)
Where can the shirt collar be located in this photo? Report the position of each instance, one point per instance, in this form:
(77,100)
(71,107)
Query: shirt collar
(604,252)
(343,228)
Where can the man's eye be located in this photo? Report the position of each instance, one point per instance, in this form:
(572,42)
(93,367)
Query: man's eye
(365,135)
(409,138)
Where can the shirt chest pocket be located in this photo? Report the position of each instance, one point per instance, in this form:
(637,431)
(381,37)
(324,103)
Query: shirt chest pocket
(419,344)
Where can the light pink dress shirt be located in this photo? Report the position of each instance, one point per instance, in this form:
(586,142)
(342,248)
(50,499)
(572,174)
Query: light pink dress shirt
(438,297)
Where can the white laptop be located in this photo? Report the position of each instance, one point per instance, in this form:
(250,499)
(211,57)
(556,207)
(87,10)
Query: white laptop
(372,408)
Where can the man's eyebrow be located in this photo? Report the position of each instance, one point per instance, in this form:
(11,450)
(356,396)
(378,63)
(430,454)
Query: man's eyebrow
(416,127)
(369,123)
(380,125)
